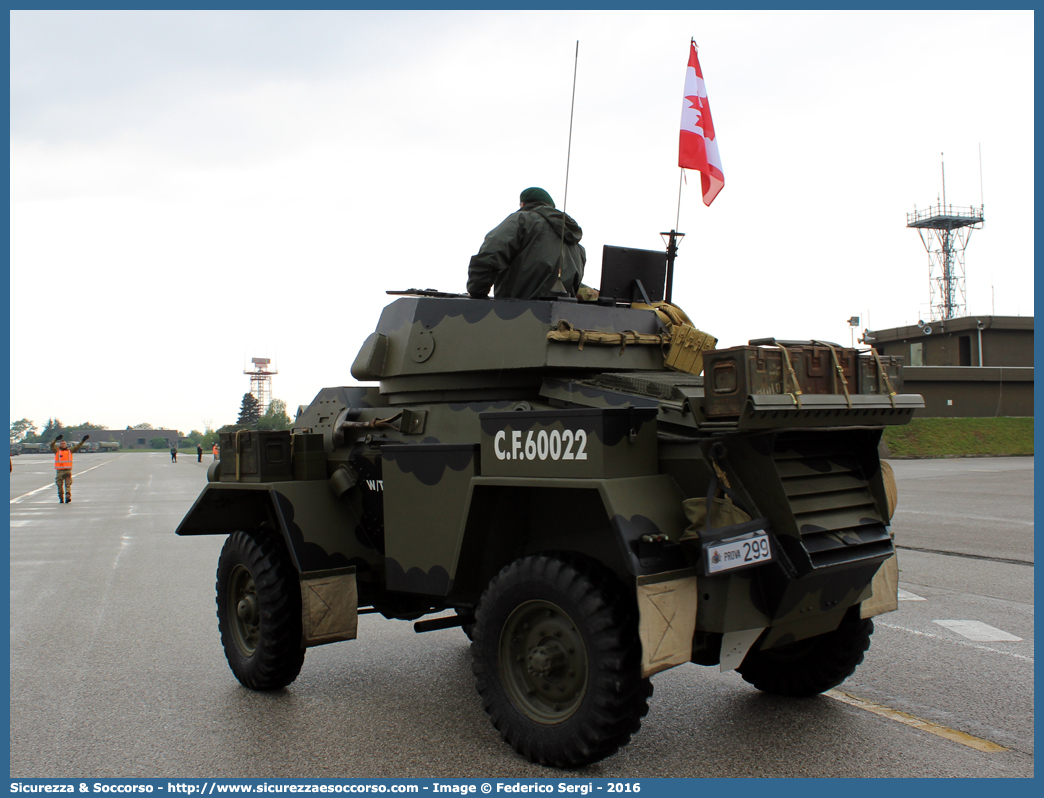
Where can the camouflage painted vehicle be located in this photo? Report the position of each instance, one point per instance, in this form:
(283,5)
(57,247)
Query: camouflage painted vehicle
(535,470)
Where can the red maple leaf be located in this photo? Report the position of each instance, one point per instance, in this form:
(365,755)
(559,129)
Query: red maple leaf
(703,111)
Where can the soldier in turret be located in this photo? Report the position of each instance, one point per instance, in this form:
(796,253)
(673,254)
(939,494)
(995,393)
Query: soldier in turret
(63,463)
(521,257)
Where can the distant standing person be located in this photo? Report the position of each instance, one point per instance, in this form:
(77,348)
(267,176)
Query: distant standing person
(174,453)
(63,463)
(217,452)
(199,452)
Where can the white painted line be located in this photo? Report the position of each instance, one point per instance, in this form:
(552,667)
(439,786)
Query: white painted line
(124,540)
(953,641)
(984,518)
(978,631)
(906,595)
(17,499)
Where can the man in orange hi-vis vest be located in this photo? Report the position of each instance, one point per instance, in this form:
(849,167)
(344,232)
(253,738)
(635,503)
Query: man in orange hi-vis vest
(63,462)
(217,452)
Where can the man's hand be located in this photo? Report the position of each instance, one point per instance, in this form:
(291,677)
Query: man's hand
(85,437)
(60,437)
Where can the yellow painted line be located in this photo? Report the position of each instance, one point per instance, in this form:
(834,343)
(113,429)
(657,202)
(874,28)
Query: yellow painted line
(918,723)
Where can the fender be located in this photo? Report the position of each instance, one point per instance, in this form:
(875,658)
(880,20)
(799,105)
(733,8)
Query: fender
(510,517)
(319,531)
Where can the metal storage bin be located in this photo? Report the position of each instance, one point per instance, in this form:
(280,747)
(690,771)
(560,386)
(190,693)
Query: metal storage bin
(731,375)
(255,456)
(870,381)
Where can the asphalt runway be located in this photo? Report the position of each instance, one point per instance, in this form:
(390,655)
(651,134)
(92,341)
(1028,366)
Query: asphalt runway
(117,668)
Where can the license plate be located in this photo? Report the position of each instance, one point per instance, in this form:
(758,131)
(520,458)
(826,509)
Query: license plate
(739,552)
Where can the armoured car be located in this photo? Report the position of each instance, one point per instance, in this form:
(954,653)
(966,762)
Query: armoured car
(589,489)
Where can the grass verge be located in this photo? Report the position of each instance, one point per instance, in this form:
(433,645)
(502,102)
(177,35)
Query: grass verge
(960,437)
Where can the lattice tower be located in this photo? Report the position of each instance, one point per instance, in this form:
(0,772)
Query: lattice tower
(261,381)
(945,231)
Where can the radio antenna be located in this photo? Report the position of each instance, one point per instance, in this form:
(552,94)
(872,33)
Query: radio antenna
(569,146)
(559,286)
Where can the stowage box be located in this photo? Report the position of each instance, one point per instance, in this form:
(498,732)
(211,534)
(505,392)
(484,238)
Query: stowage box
(255,456)
(871,382)
(730,375)
(309,456)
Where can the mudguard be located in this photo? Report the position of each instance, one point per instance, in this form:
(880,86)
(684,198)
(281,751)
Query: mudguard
(320,532)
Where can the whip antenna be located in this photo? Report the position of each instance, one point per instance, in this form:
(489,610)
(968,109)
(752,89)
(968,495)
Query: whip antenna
(559,288)
(569,146)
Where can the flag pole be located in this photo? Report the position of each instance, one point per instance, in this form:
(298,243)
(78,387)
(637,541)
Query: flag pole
(677,219)
(672,243)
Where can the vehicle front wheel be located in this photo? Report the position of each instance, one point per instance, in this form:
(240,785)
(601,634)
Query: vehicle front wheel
(557,660)
(259,611)
(811,666)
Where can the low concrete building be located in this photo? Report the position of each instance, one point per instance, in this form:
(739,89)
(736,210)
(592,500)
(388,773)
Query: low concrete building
(133,438)
(975,366)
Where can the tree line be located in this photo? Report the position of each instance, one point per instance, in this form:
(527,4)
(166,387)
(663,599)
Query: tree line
(275,417)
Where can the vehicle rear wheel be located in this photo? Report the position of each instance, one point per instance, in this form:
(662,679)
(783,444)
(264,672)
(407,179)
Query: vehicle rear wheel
(557,660)
(811,666)
(259,611)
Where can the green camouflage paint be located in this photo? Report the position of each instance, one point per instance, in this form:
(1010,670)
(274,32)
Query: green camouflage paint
(485,441)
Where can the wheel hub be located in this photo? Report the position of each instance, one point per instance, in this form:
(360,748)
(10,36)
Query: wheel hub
(543,662)
(546,662)
(245,610)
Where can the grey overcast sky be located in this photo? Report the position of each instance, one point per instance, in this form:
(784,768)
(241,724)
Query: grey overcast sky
(201,187)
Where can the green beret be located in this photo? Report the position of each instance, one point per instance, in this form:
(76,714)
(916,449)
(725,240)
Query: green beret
(536,195)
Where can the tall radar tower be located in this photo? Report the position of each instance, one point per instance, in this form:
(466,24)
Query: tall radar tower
(261,381)
(945,231)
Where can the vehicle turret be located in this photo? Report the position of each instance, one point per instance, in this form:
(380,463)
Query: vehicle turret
(460,345)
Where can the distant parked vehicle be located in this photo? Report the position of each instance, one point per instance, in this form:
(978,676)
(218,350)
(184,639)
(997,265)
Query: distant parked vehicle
(16,449)
(34,448)
(108,446)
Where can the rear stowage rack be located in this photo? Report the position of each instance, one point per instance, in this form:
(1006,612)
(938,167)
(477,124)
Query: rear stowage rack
(824,477)
(768,411)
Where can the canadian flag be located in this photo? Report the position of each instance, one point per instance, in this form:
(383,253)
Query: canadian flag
(698,146)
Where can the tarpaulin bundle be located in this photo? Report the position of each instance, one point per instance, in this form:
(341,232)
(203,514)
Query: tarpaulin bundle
(567,332)
(681,343)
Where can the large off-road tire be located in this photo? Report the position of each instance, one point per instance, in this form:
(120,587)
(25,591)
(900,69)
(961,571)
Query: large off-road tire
(557,660)
(811,666)
(259,611)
